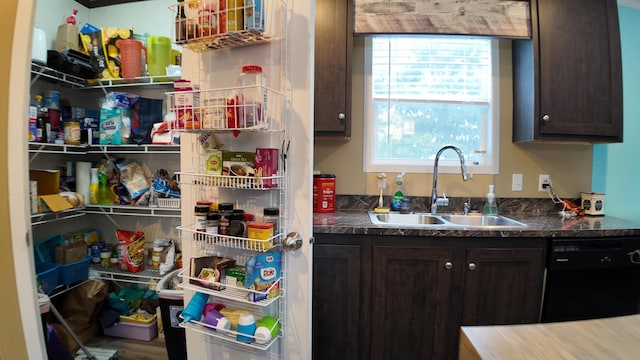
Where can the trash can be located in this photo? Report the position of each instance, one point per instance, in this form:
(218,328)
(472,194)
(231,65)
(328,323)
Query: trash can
(171,306)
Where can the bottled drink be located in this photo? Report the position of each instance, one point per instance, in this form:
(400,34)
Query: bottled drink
(181,23)
(43,128)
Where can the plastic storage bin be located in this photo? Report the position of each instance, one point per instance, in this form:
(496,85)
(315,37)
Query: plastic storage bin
(76,271)
(48,275)
(132,330)
(171,306)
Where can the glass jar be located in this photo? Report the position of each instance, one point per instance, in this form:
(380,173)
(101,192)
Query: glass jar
(252,96)
(272,215)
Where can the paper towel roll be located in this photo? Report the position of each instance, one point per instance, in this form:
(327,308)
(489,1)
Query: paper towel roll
(83,179)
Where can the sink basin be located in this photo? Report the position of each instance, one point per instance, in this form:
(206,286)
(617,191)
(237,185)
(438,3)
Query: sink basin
(406,219)
(428,220)
(482,220)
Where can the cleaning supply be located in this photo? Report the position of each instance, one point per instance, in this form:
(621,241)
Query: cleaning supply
(382,183)
(490,206)
(400,194)
(195,307)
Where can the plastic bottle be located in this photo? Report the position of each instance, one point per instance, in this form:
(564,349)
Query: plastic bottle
(104,193)
(195,307)
(252,96)
(94,185)
(490,206)
(43,128)
(400,194)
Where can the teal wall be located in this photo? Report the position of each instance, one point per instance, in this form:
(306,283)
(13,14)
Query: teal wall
(615,170)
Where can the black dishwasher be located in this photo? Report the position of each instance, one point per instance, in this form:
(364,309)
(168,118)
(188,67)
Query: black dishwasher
(592,278)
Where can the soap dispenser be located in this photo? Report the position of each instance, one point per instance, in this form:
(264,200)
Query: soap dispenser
(400,194)
(490,206)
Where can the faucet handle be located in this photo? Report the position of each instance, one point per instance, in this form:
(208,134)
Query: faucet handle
(443,201)
(466,207)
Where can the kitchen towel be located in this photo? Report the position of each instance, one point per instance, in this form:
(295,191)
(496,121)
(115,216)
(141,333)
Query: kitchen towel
(83,179)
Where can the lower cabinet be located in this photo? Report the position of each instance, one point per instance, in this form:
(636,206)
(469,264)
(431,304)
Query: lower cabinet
(389,297)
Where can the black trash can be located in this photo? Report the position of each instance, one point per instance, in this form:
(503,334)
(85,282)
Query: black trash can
(171,306)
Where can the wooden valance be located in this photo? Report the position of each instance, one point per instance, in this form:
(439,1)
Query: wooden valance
(508,19)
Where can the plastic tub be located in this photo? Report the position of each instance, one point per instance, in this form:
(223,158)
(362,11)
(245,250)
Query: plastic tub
(171,306)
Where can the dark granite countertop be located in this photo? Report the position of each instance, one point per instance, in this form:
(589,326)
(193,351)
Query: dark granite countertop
(541,221)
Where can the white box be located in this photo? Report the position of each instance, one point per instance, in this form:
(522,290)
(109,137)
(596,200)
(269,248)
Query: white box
(592,203)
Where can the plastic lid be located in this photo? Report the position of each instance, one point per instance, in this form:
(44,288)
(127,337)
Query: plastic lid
(262,335)
(252,69)
(271,211)
(246,319)
(324,176)
(158,249)
(213,216)
(223,324)
(225,206)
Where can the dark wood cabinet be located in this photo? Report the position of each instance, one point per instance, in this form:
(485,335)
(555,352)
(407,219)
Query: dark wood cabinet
(415,292)
(411,302)
(333,53)
(568,77)
(337,302)
(502,286)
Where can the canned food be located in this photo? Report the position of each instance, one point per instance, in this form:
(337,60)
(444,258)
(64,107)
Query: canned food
(324,193)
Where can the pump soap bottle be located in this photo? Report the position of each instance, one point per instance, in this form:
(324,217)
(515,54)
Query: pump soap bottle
(490,206)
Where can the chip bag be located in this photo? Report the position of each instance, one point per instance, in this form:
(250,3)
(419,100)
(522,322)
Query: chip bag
(130,250)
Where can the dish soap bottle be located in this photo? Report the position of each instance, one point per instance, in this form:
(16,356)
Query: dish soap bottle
(401,193)
(490,206)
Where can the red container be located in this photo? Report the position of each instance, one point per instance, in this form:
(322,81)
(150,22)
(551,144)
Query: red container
(324,193)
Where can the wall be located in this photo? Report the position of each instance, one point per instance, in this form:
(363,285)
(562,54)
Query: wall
(569,166)
(614,171)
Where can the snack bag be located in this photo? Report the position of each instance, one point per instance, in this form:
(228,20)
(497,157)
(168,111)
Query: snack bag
(130,250)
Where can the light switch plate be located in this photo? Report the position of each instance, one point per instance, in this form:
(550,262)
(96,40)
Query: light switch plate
(516,182)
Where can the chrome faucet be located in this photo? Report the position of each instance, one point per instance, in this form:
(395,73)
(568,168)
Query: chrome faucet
(435,201)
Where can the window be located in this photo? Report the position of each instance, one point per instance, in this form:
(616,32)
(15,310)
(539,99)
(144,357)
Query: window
(425,92)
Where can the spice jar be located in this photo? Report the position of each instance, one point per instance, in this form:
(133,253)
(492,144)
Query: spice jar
(271,215)
(213,221)
(200,213)
(156,258)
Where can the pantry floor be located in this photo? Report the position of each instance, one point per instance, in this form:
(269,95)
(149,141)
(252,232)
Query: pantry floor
(129,349)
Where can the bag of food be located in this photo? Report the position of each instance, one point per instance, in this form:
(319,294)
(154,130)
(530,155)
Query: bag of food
(130,250)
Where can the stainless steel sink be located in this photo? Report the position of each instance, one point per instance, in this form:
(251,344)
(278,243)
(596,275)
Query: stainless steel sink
(428,220)
(482,220)
(406,219)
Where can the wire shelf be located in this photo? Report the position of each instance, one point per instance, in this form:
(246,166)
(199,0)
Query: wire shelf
(203,25)
(230,181)
(225,109)
(235,293)
(204,241)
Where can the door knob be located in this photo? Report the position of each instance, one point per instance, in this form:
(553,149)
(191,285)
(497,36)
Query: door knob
(472,266)
(448,265)
(293,241)
(546,118)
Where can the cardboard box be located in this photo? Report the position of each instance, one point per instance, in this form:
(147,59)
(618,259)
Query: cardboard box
(70,253)
(238,163)
(217,263)
(266,162)
(112,124)
(48,189)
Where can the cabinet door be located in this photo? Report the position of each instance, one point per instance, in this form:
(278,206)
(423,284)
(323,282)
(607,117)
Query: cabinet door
(337,300)
(503,286)
(568,78)
(410,302)
(333,49)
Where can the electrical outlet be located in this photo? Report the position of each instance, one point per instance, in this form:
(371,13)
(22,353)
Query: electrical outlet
(543,183)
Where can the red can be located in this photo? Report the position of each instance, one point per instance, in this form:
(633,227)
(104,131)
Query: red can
(324,193)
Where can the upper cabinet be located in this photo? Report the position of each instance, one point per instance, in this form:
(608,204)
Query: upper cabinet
(567,79)
(98,3)
(333,53)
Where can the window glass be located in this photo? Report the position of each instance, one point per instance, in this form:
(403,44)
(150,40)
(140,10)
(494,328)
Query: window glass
(425,92)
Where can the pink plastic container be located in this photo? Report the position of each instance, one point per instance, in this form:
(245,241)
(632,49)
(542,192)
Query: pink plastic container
(129,330)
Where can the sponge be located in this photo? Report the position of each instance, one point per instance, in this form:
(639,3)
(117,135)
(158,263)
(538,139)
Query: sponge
(383,210)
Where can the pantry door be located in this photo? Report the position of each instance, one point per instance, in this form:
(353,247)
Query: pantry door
(23,336)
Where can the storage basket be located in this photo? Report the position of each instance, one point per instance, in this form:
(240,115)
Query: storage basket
(48,275)
(45,250)
(76,271)
(169,203)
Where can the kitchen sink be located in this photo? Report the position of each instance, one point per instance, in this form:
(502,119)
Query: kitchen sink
(428,221)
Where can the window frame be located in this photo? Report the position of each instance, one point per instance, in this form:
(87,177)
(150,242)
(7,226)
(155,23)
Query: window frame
(425,166)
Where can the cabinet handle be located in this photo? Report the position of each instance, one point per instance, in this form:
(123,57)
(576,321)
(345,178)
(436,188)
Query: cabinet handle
(546,118)
(472,266)
(448,265)
(341,116)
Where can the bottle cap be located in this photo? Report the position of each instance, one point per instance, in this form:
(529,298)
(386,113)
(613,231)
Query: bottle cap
(262,335)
